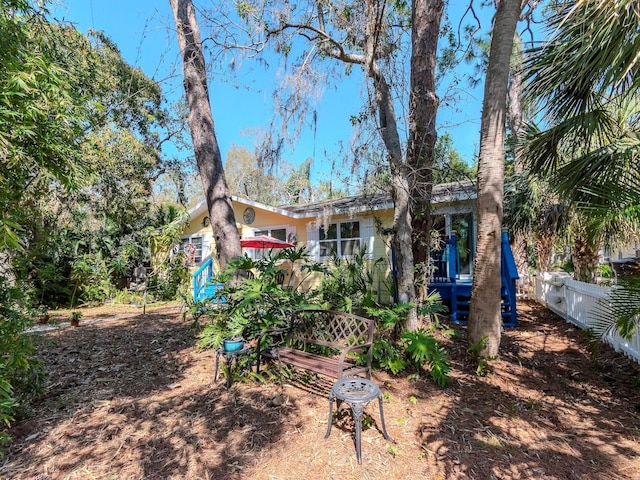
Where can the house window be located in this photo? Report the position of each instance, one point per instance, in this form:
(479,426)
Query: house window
(341,239)
(191,248)
(279,233)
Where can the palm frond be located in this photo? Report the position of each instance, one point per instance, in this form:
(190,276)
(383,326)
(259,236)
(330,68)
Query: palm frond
(620,312)
(604,36)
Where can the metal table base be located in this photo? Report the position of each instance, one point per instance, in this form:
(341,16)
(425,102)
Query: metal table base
(357,393)
(229,358)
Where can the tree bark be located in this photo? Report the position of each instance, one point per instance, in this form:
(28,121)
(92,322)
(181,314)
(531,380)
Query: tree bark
(585,256)
(485,319)
(423,106)
(400,187)
(207,152)
(516,114)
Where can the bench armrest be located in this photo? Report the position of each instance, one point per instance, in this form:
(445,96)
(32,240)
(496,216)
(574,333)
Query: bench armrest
(365,347)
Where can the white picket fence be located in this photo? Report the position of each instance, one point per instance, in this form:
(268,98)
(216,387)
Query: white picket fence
(575,301)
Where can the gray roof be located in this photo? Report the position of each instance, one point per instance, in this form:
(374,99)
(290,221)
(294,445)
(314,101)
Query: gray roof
(442,193)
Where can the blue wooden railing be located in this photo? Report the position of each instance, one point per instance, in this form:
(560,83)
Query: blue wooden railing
(509,273)
(203,288)
(457,293)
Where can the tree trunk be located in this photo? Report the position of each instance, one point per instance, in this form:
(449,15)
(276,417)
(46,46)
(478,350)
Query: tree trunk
(399,172)
(423,106)
(520,239)
(516,113)
(485,319)
(585,260)
(544,251)
(205,144)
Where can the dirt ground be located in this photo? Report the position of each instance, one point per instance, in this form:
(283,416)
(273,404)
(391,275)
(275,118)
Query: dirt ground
(130,397)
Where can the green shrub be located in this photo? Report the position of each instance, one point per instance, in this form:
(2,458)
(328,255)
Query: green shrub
(91,278)
(172,278)
(422,348)
(388,356)
(21,376)
(252,305)
(348,286)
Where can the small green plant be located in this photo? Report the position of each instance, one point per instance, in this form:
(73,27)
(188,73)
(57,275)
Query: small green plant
(483,367)
(367,421)
(413,400)
(432,307)
(75,315)
(422,347)
(125,296)
(387,356)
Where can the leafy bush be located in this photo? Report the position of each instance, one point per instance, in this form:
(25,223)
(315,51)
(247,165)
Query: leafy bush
(21,377)
(252,305)
(395,349)
(422,348)
(349,284)
(172,277)
(91,277)
(388,356)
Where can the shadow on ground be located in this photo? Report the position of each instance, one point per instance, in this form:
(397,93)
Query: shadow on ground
(135,398)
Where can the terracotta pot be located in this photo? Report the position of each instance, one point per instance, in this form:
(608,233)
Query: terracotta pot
(43,319)
(75,323)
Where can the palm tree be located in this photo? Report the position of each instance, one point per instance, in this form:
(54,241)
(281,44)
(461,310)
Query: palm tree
(590,105)
(485,319)
(534,211)
(591,115)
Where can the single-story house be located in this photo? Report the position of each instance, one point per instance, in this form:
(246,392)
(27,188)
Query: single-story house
(341,225)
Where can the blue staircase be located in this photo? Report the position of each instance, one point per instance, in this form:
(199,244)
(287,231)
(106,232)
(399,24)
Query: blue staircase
(458,292)
(203,287)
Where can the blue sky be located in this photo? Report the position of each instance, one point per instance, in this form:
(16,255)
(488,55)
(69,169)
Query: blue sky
(142,31)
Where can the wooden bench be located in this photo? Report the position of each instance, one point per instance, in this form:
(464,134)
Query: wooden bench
(321,341)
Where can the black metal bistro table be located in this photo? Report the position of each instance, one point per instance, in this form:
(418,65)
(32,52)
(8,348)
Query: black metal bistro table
(229,358)
(357,393)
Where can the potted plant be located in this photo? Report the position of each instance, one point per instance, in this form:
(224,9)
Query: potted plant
(233,344)
(75,318)
(43,315)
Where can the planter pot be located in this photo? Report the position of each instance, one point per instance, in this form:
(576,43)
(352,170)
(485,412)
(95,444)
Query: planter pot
(232,344)
(75,323)
(43,319)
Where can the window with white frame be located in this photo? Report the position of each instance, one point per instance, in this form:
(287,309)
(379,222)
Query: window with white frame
(191,248)
(279,233)
(284,233)
(342,239)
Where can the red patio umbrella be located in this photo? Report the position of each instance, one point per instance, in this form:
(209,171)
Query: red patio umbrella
(264,241)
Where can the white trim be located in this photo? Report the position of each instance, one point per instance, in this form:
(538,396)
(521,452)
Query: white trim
(201,208)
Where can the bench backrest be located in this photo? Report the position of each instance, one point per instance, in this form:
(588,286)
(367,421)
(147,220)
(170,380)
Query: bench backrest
(331,329)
